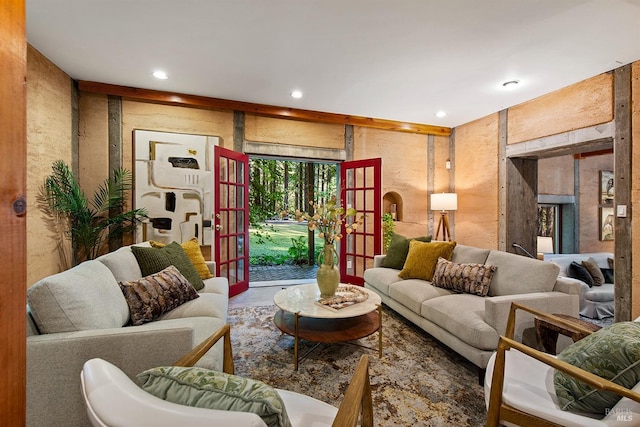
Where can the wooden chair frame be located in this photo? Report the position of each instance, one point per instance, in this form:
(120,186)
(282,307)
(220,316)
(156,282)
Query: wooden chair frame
(499,411)
(357,404)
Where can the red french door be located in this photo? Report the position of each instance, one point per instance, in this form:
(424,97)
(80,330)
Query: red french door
(361,188)
(231,218)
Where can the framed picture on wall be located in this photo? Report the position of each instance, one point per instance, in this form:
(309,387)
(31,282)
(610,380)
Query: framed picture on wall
(606,188)
(606,223)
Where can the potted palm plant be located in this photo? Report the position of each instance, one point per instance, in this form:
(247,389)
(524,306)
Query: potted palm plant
(90,224)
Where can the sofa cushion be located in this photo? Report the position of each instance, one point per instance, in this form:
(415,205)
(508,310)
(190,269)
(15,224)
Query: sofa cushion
(398,250)
(578,271)
(380,278)
(152,260)
(422,258)
(607,273)
(462,254)
(151,296)
(204,388)
(602,293)
(122,263)
(82,298)
(462,315)
(469,278)
(594,271)
(517,274)
(206,305)
(612,353)
(411,293)
(193,251)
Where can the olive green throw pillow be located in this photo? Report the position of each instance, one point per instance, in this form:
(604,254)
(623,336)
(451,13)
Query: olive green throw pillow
(612,353)
(422,258)
(398,250)
(204,388)
(152,260)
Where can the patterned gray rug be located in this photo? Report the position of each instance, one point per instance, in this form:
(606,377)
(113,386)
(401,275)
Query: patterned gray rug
(418,381)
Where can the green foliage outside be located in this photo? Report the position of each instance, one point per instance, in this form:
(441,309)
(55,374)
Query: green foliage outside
(287,244)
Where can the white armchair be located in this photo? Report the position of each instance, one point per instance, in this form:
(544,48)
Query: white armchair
(113,399)
(519,386)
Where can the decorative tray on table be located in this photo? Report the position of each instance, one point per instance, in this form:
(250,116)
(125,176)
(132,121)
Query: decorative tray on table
(346,296)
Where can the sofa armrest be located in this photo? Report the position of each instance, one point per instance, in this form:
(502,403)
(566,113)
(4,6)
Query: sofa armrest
(573,286)
(377,260)
(211,265)
(497,309)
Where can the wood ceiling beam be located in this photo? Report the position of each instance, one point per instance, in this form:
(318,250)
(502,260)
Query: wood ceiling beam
(171,98)
(581,156)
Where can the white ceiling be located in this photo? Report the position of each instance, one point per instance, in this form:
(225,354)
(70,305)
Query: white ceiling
(393,59)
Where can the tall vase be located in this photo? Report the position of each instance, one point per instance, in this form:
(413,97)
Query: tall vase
(328,275)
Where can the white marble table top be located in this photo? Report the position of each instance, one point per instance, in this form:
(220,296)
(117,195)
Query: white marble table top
(302,299)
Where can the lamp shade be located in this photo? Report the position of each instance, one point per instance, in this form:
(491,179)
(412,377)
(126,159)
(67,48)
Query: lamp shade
(444,202)
(545,245)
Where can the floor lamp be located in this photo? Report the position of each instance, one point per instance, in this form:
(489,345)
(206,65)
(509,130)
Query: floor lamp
(444,202)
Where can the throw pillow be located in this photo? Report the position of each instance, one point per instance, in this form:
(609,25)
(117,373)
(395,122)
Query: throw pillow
(577,271)
(398,250)
(610,262)
(463,278)
(612,353)
(150,297)
(152,260)
(204,388)
(193,251)
(594,271)
(608,274)
(422,258)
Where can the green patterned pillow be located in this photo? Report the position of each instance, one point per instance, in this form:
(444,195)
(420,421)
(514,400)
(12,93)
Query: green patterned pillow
(398,250)
(204,388)
(152,260)
(612,353)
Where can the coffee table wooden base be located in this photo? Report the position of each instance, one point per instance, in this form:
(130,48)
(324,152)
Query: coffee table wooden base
(331,330)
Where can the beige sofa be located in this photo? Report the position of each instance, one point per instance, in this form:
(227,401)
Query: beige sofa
(470,324)
(81,314)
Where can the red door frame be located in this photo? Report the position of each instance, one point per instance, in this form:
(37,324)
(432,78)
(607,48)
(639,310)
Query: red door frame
(231,241)
(356,252)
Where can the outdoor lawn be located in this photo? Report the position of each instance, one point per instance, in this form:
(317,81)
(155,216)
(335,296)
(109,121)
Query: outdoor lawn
(276,248)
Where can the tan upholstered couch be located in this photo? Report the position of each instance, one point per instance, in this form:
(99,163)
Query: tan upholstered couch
(81,314)
(469,324)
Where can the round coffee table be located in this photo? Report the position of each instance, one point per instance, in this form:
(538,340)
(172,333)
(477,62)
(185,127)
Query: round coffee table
(302,317)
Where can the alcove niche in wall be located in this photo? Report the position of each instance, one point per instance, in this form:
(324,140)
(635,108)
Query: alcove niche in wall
(392,203)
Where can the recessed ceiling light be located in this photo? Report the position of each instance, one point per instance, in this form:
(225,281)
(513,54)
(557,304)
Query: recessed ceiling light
(296,94)
(511,84)
(160,75)
(441,114)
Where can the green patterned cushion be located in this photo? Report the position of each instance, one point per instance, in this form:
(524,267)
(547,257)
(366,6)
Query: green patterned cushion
(398,250)
(152,260)
(205,388)
(463,278)
(612,353)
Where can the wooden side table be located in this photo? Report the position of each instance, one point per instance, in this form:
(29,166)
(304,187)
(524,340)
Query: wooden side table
(547,331)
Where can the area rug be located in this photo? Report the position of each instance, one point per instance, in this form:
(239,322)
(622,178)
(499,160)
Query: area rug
(417,382)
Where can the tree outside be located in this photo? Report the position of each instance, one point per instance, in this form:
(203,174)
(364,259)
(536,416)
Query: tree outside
(277,189)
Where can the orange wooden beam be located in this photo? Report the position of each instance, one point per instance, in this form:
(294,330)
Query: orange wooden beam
(170,98)
(580,156)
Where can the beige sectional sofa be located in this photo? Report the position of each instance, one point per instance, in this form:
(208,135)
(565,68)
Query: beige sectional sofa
(81,314)
(470,324)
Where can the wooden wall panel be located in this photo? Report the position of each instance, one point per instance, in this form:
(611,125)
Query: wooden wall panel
(292,132)
(587,103)
(476,182)
(404,171)
(93,151)
(635,188)
(13,251)
(49,139)
(555,176)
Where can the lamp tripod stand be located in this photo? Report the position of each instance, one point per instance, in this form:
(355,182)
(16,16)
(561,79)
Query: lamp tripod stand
(444,224)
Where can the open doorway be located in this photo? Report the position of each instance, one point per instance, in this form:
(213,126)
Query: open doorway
(282,249)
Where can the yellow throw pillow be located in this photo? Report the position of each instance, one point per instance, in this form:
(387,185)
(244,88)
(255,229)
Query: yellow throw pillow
(192,248)
(423,257)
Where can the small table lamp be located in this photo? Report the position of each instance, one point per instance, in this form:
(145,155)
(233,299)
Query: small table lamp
(444,202)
